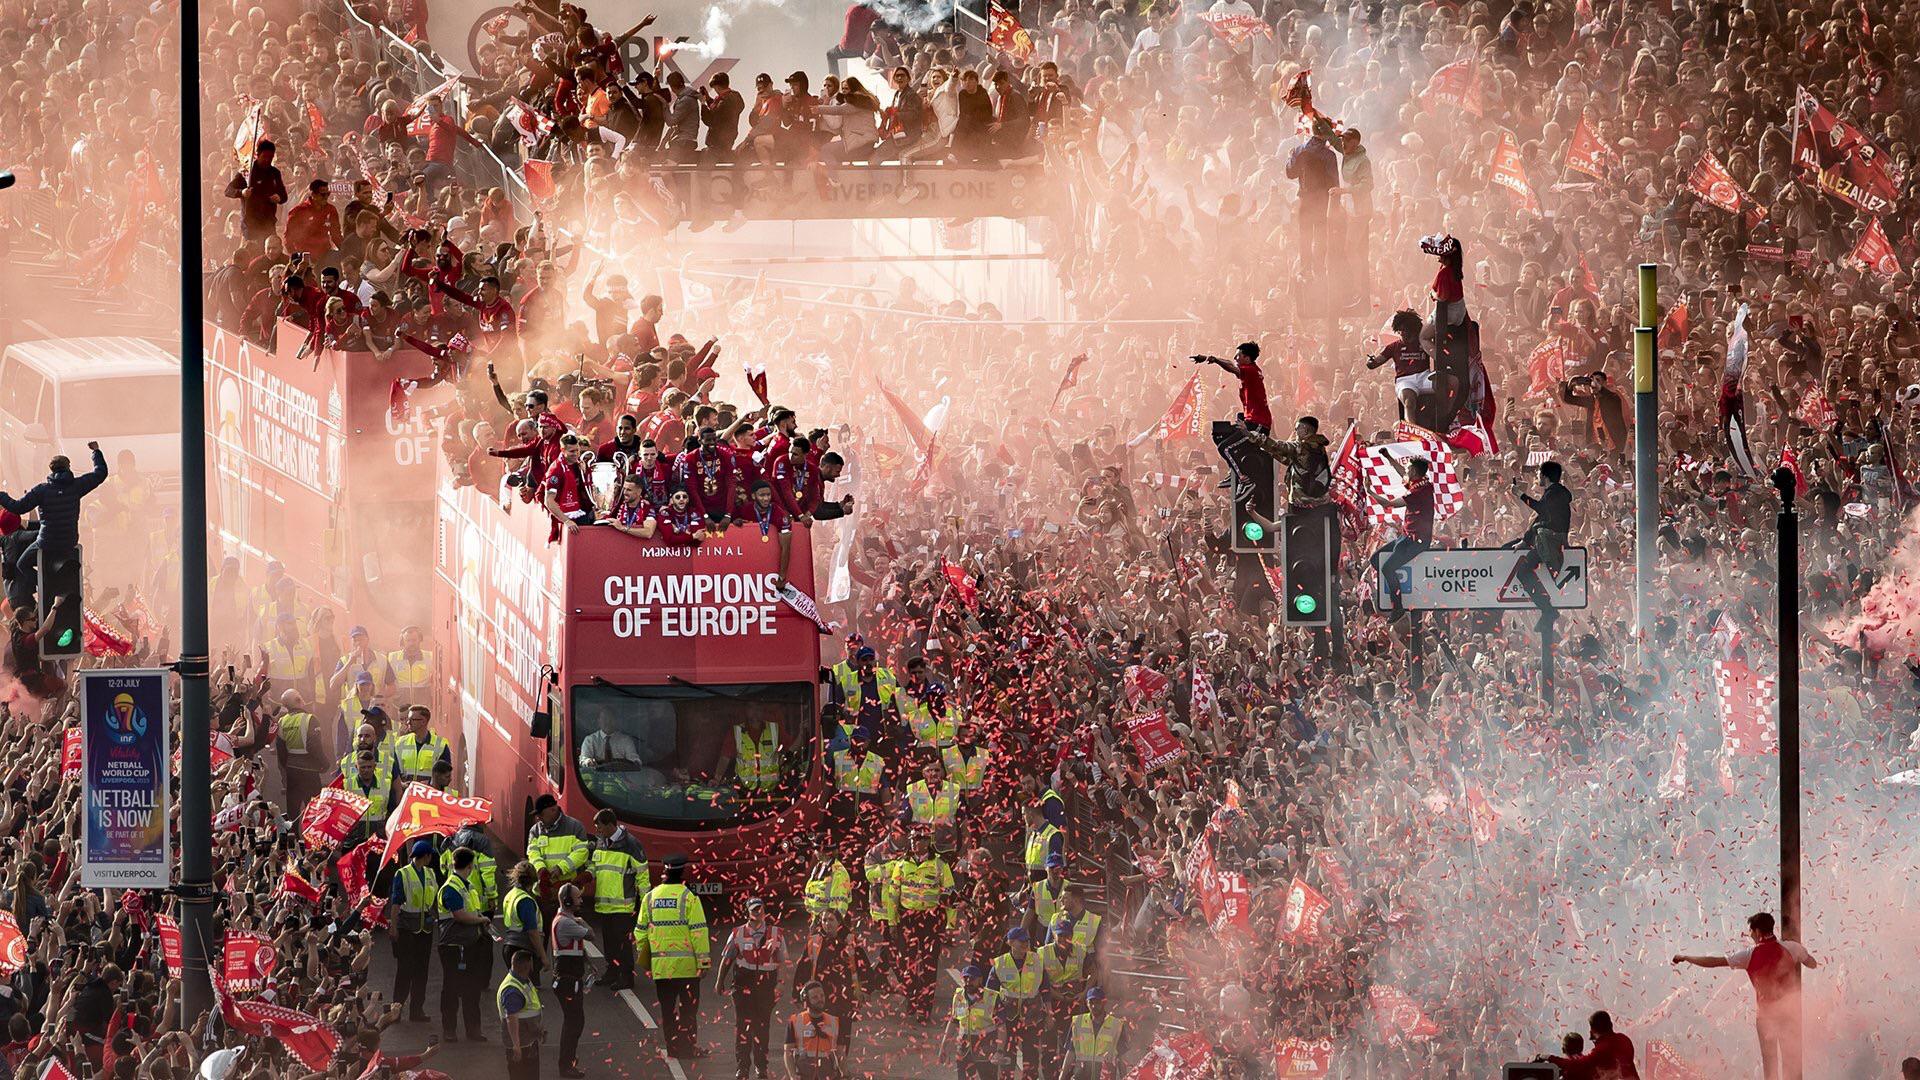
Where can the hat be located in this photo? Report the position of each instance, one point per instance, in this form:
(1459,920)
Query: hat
(973,971)
(674,862)
(1018,933)
(364,677)
(422,848)
(1056,861)
(855,637)
(357,631)
(1094,993)
(376,713)
(866,653)
(754,903)
(543,803)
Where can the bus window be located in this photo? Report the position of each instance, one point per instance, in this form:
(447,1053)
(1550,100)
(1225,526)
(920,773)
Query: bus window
(654,754)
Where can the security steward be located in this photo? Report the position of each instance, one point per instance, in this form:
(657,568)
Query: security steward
(966,763)
(858,775)
(1047,891)
(371,781)
(829,886)
(620,878)
(752,758)
(298,748)
(933,803)
(520,912)
(1017,976)
(567,942)
(923,881)
(557,846)
(484,882)
(415,897)
(1044,838)
(750,971)
(416,752)
(1065,973)
(518,1000)
(868,695)
(1098,1039)
(813,1037)
(673,927)
(972,1023)
(466,949)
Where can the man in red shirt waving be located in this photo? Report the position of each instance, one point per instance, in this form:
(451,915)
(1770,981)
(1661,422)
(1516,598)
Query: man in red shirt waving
(1773,966)
(1245,366)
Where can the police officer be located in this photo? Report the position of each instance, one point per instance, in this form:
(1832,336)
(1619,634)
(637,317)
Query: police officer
(371,781)
(933,803)
(922,881)
(557,845)
(466,950)
(972,1024)
(674,926)
(567,940)
(415,897)
(520,912)
(620,879)
(1046,892)
(829,886)
(1099,1038)
(1017,975)
(518,1000)
(419,750)
(752,957)
(858,775)
(1043,838)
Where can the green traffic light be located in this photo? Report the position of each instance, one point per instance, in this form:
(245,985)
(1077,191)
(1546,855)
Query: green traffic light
(1305,605)
(65,639)
(1253,531)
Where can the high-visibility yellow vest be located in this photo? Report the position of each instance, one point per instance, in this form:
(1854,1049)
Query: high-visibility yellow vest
(375,793)
(295,728)
(419,892)
(350,708)
(1064,970)
(920,884)
(829,888)
(559,854)
(863,778)
(676,932)
(1046,901)
(414,756)
(756,762)
(520,932)
(410,674)
(611,868)
(463,889)
(963,771)
(931,808)
(1084,929)
(883,902)
(532,996)
(382,753)
(1040,845)
(1018,982)
(930,729)
(884,687)
(290,665)
(975,1016)
(481,877)
(1091,1044)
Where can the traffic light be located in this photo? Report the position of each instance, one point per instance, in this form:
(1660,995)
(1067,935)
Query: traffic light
(1307,553)
(1255,530)
(65,635)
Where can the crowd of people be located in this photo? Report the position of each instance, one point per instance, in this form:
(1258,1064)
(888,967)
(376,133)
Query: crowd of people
(1425,833)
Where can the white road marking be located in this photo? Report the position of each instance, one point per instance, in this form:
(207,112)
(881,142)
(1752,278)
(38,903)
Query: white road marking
(642,1013)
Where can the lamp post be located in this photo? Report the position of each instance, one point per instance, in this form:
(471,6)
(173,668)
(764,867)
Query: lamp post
(1788,719)
(195,887)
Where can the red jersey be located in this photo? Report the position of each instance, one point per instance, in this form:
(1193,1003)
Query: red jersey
(569,490)
(1253,394)
(1420,511)
(667,430)
(796,489)
(708,476)
(657,481)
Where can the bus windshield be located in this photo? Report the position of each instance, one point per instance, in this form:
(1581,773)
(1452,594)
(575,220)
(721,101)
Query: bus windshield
(686,757)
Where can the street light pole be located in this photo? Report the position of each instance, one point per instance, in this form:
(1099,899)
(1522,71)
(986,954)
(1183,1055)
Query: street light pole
(1646,454)
(196,767)
(1788,722)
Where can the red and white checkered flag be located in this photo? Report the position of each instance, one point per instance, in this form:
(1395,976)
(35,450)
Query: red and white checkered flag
(1746,708)
(1205,701)
(1383,469)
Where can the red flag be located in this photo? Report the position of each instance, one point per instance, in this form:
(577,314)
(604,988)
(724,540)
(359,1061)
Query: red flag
(1456,84)
(1276,575)
(1154,743)
(249,956)
(1143,684)
(101,640)
(13,945)
(171,950)
(1547,365)
(292,884)
(352,868)
(1817,412)
(1398,1017)
(305,1037)
(1303,1059)
(316,127)
(55,1069)
(1713,183)
(1790,461)
(1299,93)
(916,429)
(1586,153)
(1335,875)
(1673,328)
(1841,160)
(1305,908)
(538,175)
(423,811)
(1664,1063)
(1182,418)
(1005,33)
(70,753)
(329,816)
(528,121)
(1587,281)
(1071,378)
(923,469)
(1508,171)
(1482,818)
(1746,709)
(757,382)
(1236,29)
(961,583)
(1874,252)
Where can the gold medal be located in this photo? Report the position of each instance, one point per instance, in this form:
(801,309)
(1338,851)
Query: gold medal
(763,538)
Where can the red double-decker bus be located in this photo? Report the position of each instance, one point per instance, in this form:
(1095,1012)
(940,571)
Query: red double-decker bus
(614,673)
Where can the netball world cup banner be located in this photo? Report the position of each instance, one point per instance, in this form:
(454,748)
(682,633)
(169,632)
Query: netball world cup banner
(124,772)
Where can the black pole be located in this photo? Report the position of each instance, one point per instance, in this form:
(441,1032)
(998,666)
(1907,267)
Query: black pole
(198,946)
(1546,662)
(1788,723)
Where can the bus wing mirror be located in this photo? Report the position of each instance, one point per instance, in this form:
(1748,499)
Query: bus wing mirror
(542,724)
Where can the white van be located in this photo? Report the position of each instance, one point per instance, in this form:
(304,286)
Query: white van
(57,394)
